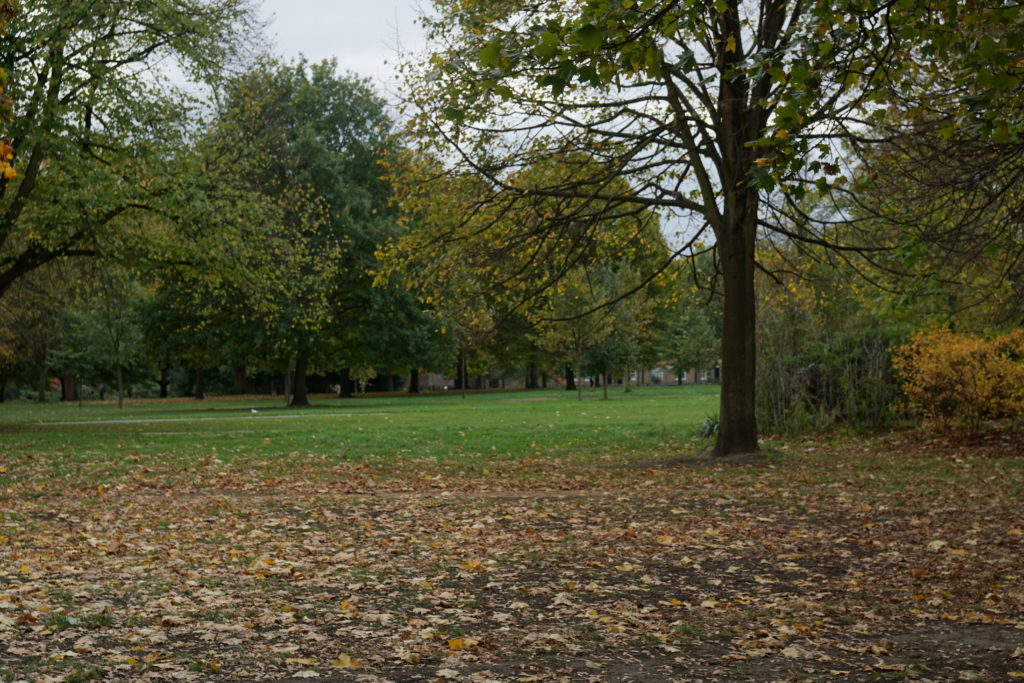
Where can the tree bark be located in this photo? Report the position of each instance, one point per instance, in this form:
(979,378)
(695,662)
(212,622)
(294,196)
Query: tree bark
(165,381)
(299,395)
(579,380)
(737,417)
(69,387)
(531,375)
(200,387)
(570,378)
(345,384)
(120,387)
(543,380)
(238,380)
(414,381)
(42,383)
(462,374)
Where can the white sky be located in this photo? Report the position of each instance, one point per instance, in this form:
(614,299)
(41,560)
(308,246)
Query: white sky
(363,35)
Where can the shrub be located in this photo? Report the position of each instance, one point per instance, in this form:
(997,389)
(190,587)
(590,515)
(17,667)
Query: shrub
(810,378)
(954,380)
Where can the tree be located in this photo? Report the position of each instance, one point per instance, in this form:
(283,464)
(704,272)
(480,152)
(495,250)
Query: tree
(313,144)
(713,112)
(102,333)
(97,117)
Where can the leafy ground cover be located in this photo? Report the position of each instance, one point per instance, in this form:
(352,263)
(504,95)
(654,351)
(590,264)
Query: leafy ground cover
(508,537)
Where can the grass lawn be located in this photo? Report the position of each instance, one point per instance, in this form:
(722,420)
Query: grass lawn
(503,537)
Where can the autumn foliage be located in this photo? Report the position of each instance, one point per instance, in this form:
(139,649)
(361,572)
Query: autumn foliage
(954,380)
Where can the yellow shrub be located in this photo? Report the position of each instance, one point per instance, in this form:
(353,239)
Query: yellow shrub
(955,380)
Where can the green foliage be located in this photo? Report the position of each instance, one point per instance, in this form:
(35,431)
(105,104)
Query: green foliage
(102,334)
(708,427)
(99,119)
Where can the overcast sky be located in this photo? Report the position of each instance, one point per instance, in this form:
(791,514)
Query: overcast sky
(362,35)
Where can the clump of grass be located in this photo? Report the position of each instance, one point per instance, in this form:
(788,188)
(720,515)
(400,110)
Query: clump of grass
(708,427)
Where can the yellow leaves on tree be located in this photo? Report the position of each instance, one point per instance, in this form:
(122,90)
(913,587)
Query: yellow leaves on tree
(955,380)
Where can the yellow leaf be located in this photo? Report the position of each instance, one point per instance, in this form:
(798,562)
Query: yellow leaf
(304,661)
(345,661)
(676,602)
(665,540)
(457,644)
(730,44)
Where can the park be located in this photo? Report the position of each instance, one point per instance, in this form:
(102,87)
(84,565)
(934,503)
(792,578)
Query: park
(507,536)
(617,340)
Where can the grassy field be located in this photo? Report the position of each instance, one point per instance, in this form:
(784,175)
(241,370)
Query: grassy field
(99,444)
(519,536)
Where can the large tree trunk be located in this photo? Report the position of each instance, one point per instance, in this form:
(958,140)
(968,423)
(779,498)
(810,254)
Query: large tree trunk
(570,378)
(345,384)
(165,381)
(737,432)
(414,381)
(299,394)
(238,380)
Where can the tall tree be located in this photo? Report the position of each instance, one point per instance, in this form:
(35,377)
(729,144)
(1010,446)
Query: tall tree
(314,142)
(713,111)
(97,116)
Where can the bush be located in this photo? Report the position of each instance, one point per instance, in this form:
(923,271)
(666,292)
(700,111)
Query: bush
(954,381)
(810,378)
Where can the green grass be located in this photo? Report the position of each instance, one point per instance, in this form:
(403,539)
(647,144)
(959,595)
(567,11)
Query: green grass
(467,434)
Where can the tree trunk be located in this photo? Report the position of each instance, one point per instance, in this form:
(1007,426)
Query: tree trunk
(462,374)
(120,387)
(165,381)
(200,388)
(606,387)
(543,380)
(531,375)
(737,431)
(414,381)
(345,384)
(238,380)
(299,395)
(570,378)
(69,387)
(42,382)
